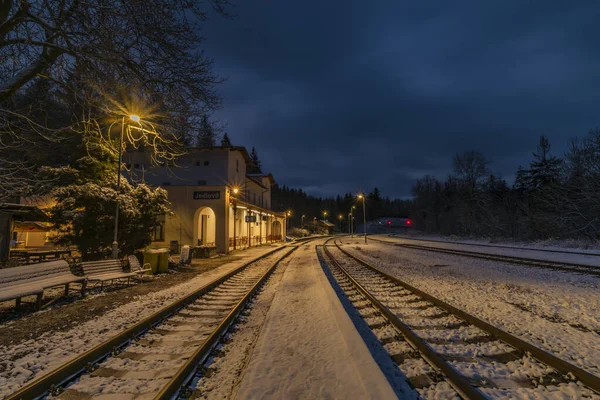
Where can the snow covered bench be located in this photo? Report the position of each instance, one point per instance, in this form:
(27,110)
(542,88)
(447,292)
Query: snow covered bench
(31,280)
(134,266)
(104,271)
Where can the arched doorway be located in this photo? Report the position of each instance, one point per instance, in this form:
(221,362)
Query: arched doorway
(205,224)
(276,230)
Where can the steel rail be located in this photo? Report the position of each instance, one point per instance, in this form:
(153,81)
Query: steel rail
(187,370)
(532,262)
(498,246)
(458,381)
(590,380)
(39,387)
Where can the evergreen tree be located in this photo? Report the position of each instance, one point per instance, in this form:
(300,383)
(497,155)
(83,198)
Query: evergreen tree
(225,140)
(206,136)
(544,169)
(256,167)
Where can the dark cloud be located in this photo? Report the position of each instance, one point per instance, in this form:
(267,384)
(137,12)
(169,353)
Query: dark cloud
(347,96)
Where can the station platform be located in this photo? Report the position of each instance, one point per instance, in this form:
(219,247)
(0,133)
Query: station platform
(309,347)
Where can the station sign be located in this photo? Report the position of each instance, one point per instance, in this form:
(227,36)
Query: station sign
(250,218)
(207,195)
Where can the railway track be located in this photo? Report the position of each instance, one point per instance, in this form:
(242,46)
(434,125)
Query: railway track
(498,246)
(447,352)
(157,357)
(528,262)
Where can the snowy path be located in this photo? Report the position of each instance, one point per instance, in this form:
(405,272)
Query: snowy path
(309,347)
(36,357)
(557,311)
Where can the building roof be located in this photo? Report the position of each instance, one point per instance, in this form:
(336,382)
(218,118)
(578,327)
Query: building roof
(327,223)
(241,149)
(31,226)
(268,176)
(254,179)
(23,212)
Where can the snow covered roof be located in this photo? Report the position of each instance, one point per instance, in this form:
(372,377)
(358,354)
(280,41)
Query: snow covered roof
(23,212)
(30,226)
(326,223)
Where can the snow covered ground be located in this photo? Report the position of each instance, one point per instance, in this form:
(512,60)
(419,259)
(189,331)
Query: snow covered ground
(566,245)
(309,347)
(34,358)
(568,257)
(557,311)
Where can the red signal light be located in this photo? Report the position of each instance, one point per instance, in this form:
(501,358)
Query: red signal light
(389,222)
(408,222)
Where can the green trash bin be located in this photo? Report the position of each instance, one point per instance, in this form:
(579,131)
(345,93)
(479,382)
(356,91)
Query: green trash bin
(151,257)
(163,261)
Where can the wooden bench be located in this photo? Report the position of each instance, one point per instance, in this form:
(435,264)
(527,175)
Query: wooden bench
(32,280)
(104,271)
(134,266)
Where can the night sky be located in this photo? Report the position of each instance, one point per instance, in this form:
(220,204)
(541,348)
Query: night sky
(347,96)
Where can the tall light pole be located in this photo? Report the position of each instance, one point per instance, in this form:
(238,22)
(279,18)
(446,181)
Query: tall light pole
(302,221)
(235,192)
(362,197)
(352,221)
(115,243)
(287,220)
(324,215)
(349,226)
(340,217)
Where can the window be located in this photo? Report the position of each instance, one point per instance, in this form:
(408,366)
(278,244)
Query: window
(197,163)
(201,183)
(137,166)
(158,232)
(206,163)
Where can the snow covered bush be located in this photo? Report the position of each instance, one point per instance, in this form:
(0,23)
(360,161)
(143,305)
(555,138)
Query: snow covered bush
(84,215)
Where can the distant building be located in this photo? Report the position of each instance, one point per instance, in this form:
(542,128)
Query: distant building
(325,226)
(206,209)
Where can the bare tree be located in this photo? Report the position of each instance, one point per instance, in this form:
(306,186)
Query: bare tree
(100,61)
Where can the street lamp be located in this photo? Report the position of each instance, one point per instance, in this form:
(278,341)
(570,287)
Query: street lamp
(115,244)
(325,215)
(340,218)
(235,192)
(362,197)
(288,221)
(302,221)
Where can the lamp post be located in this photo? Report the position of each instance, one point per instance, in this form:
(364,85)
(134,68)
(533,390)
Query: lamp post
(302,221)
(348,221)
(352,221)
(235,191)
(362,197)
(325,215)
(115,243)
(340,217)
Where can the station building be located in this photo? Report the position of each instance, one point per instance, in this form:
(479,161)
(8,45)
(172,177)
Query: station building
(214,201)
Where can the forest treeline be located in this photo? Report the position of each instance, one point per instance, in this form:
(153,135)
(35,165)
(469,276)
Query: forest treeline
(300,203)
(552,197)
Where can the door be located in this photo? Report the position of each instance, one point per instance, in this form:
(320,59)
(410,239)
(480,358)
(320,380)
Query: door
(203,229)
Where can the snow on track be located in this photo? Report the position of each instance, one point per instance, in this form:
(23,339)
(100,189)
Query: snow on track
(34,358)
(553,310)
